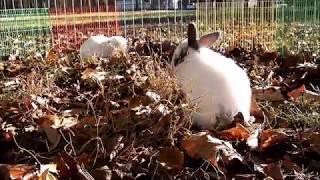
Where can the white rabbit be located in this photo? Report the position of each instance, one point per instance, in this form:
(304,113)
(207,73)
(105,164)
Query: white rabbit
(215,83)
(102,46)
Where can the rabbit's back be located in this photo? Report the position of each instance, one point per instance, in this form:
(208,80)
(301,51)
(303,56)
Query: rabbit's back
(102,46)
(218,86)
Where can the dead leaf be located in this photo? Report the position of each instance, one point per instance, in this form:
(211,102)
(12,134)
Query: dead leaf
(255,110)
(53,137)
(269,138)
(295,94)
(93,74)
(272,93)
(237,133)
(83,159)
(273,170)
(136,101)
(27,102)
(52,56)
(47,121)
(102,173)
(19,171)
(229,154)
(87,121)
(47,172)
(202,145)
(4,172)
(313,138)
(66,166)
(289,165)
(171,157)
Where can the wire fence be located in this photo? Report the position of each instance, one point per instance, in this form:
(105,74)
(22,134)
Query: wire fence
(28,25)
(276,26)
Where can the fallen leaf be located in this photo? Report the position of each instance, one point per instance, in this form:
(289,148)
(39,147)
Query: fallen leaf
(93,74)
(53,137)
(273,170)
(47,172)
(289,165)
(47,121)
(171,157)
(52,56)
(136,101)
(66,166)
(102,173)
(87,121)
(255,110)
(237,133)
(202,145)
(229,154)
(313,138)
(269,138)
(27,102)
(18,171)
(272,93)
(295,94)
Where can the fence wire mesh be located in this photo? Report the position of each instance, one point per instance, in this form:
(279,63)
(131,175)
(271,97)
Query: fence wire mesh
(40,24)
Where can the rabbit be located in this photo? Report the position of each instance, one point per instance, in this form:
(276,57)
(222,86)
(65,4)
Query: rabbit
(102,46)
(216,84)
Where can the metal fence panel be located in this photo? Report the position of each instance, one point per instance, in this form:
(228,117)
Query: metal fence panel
(268,23)
(67,23)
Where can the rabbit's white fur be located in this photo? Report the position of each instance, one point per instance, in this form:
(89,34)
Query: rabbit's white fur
(102,46)
(215,83)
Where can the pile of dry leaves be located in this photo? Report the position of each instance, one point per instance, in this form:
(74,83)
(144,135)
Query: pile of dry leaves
(126,118)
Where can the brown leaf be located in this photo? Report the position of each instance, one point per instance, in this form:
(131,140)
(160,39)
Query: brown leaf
(273,170)
(102,173)
(139,100)
(237,133)
(46,172)
(255,110)
(295,94)
(88,120)
(46,121)
(19,171)
(66,166)
(229,154)
(289,165)
(27,102)
(171,157)
(269,138)
(52,57)
(53,137)
(272,93)
(203,145)
(291,60)
(314,140)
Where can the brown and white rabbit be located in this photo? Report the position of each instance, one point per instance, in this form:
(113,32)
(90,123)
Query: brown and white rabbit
(215,83)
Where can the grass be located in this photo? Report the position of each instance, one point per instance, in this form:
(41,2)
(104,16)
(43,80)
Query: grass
(300,114)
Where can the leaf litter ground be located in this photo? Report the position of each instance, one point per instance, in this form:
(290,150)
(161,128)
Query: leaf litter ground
(126,118)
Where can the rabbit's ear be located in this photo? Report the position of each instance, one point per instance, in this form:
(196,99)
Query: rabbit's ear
(209,39)
(192,36)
